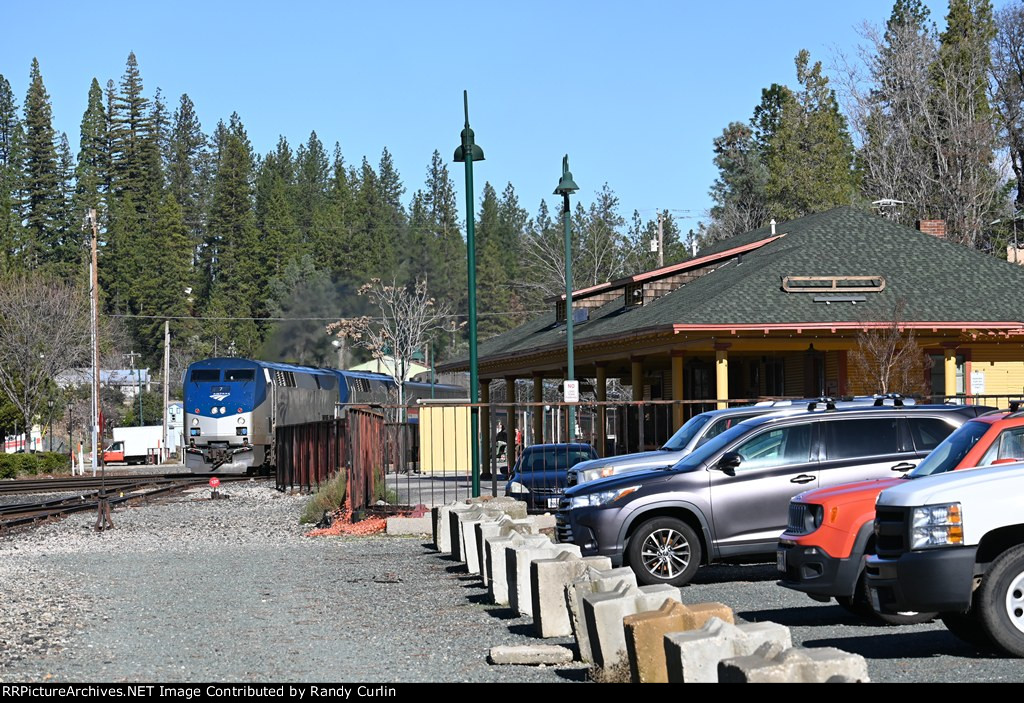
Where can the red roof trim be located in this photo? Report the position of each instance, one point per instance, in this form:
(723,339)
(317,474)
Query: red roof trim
(667,270)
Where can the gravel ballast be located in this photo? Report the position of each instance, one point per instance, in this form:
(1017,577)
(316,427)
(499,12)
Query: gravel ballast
(186,589)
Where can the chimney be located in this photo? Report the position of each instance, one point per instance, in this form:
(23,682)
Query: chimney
(936,228)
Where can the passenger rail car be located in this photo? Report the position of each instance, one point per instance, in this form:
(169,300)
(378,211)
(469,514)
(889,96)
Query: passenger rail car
(233,406)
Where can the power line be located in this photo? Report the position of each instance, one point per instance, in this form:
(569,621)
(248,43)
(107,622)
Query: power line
(296,319)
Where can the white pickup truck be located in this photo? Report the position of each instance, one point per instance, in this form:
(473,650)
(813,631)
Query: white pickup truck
(954,544)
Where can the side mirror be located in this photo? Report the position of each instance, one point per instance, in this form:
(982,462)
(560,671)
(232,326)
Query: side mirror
(728,463)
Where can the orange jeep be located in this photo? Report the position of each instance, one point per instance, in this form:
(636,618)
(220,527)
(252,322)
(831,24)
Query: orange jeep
(831,530)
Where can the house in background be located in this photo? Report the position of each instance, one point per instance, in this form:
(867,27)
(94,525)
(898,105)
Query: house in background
(128,381)
(776,312)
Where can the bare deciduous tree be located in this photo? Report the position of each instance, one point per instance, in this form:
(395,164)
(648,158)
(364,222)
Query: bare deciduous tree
(44,330)
(923,128)
(890,358)
(408,315)
(1008,87)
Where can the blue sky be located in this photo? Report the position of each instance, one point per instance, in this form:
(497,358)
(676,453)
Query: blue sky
(634,92)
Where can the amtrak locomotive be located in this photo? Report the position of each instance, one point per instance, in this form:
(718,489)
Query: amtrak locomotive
(232,406)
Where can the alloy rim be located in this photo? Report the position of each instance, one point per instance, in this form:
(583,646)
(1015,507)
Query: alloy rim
(665,553)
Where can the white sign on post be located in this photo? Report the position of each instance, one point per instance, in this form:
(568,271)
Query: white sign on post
(571,391)
(977,382)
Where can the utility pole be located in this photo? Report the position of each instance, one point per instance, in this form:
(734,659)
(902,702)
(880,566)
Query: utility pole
(94,305)
(132,355)
(661,241)
(167,384)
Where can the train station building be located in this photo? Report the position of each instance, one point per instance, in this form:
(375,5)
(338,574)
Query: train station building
(776,312)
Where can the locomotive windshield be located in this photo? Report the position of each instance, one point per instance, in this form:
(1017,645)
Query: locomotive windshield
(239,375)
(205,375)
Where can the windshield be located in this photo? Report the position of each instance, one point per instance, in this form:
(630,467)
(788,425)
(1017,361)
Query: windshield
(951,451)
(685,434)
(554,459)
(705,452)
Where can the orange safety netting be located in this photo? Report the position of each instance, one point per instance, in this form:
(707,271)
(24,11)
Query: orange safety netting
(343,525)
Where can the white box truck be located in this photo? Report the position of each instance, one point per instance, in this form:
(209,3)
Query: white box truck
(135,445)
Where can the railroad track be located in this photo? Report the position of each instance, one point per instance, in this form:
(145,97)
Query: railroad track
(78,483)
(115,490)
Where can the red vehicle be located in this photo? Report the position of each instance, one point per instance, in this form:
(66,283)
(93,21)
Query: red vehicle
(831,530)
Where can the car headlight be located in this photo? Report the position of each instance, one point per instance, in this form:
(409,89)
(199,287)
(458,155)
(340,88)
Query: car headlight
(516,487)
(594,474)
(601,497)
(936,526)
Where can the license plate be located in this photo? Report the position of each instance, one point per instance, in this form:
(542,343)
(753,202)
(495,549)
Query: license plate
(780,560)
(552,502)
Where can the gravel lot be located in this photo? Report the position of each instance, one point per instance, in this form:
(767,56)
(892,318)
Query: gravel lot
(190,589)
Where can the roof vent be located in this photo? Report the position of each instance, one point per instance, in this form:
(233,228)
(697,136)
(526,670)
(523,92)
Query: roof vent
(772,223)
(833,284)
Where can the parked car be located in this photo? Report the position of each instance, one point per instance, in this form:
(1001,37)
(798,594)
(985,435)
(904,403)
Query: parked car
(539,475)
(730,497)
(701,429)
(831,530)
(954,544)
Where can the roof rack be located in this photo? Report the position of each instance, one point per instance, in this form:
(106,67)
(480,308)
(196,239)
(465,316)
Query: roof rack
(896,398)
(829,403)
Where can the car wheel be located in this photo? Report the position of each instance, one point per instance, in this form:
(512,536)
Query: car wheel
(1001,601)
(664,550)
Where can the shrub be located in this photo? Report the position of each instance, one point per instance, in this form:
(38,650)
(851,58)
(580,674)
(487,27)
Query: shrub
(329,498)
(14,465)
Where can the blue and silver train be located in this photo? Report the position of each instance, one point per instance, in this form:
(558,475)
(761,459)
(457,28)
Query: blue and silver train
(232,406)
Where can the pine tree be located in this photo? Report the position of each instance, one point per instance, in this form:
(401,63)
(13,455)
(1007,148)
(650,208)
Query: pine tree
(162,288)
(279,243)
(91,171)
(236,284)
(310,194)
(69,252)
(809,156)
(41,183)
(601,240)
(12,141)
(189,171)
(448,248)
(494,296)
(130,126)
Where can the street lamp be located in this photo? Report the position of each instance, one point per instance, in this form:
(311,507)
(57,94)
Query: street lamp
(566,186)
(340,346)
(467,153)
(49,404)
(71,441)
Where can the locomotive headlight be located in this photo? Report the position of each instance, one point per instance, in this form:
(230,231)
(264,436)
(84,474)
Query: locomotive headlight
(241,421)
(195,421)
(223,410)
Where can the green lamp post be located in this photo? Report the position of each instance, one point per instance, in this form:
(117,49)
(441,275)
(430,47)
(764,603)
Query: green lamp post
(467,153)
(566,186)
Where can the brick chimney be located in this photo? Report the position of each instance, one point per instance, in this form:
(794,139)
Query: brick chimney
(936,228)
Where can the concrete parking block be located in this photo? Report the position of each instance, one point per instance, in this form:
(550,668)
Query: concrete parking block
(693,657)
(409,525)
(645,635)
(517,565)
(502,527)
(603,614)
(530,654)
(549,579)
(442,532)
(497,585)
(593,581)
(796,665)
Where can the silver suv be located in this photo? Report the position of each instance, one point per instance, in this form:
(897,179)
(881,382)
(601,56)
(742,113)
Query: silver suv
(702,428)
(730,497)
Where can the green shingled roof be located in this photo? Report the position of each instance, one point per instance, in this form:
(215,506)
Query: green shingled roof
(938,281)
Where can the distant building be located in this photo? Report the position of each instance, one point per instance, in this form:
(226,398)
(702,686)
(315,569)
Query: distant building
(387,366)
(125,380)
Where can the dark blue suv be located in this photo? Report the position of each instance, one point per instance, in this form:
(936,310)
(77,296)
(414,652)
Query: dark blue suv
(540,475)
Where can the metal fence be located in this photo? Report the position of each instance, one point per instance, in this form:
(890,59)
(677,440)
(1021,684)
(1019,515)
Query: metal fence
(398,458)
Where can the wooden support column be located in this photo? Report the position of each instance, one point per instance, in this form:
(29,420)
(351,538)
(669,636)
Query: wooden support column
(538,410)
(510,419)
(637,368)
(950,369)
(678,408)
(485,425)
(844,372)
(601,392)
(722,374)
